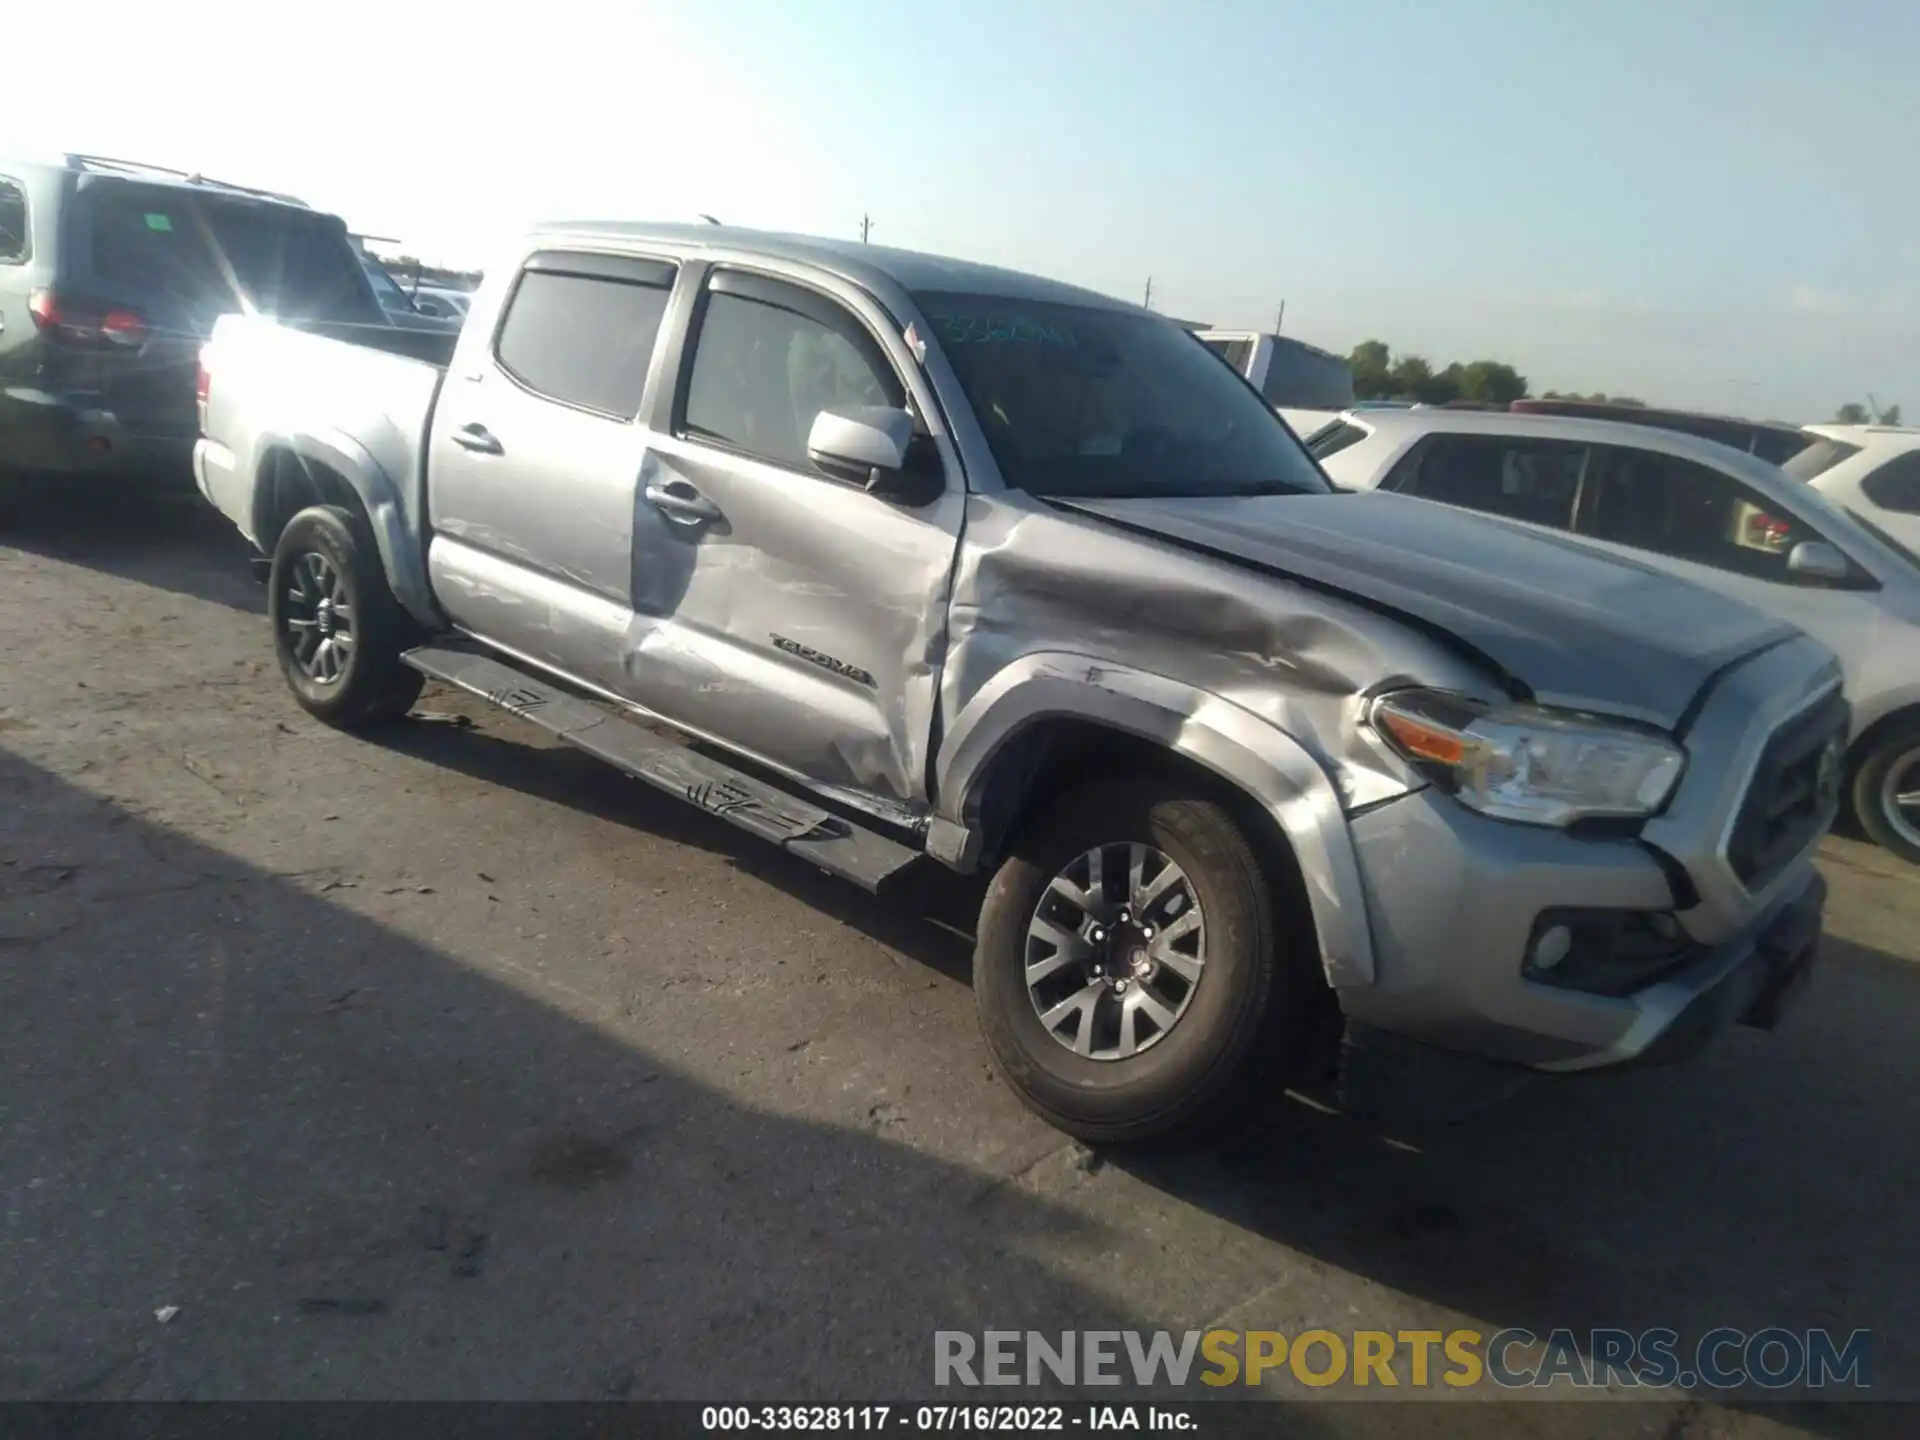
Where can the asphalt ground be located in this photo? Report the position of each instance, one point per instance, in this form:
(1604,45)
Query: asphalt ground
(450,1064)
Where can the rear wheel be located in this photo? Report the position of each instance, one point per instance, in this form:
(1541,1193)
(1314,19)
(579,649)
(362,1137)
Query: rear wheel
(1885,795)
(337,630)
(1128,970)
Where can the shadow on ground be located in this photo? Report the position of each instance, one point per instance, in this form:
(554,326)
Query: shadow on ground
(359,1167)
(171,541)
(1766,1184)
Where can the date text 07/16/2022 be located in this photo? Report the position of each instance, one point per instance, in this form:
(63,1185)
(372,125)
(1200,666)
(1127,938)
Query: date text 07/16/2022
(939,1419)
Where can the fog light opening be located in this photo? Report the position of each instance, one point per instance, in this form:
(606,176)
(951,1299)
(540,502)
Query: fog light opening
(1553,946)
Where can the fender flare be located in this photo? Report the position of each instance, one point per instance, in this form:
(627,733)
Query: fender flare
(1264,762)
(379,494)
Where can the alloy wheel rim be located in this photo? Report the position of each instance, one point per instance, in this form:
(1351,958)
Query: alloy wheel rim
(1116,950)
(319,619)
(1900,796)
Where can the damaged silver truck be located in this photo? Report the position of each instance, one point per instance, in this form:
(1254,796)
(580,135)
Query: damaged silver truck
(887,558)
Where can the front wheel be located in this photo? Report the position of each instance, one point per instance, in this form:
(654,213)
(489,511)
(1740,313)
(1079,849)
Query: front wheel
(337,630)
(1129,966)
(1885,795)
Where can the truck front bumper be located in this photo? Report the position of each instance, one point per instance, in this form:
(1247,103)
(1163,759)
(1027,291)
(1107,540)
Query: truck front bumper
(1665,936)
(1455,901)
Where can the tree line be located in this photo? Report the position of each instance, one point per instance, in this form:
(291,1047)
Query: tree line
(1854,413)
(1379,374)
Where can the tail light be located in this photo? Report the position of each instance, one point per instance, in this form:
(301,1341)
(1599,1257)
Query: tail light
(44,309)
(123,327)
(202,388)
(69,321)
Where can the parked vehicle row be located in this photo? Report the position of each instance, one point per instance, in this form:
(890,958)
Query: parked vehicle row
(932,562)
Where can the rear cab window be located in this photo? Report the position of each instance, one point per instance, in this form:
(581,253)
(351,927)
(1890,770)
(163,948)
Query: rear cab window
(1237,353)
(580,329)
(16,246)
(195,256)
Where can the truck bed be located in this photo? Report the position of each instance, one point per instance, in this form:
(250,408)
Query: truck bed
(339,394)
(435,347)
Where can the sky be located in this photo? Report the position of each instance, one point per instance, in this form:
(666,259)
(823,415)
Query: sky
(1705,203)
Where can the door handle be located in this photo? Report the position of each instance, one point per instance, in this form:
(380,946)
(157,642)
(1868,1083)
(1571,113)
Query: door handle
(678,500)
(478,438)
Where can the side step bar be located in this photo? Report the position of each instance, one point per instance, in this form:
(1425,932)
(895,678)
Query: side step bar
(824,839)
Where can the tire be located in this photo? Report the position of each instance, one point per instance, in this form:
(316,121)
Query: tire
(326,555)
(1249,1002)
(1891,762)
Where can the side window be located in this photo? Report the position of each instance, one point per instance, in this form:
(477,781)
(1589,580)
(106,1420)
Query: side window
(584,340)
(769,358)
(1896,485)
(1678,508)
(1519,479)
(14,247)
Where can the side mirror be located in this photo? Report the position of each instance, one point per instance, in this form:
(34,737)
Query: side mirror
(1817,560)
(872,446)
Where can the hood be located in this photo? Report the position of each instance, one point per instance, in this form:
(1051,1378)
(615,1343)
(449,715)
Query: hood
(1576,626)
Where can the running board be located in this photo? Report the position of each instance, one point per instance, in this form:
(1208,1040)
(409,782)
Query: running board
(805,830)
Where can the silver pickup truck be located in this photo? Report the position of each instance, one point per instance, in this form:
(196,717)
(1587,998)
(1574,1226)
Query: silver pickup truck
(881,557)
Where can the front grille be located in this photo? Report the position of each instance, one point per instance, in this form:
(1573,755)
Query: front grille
(1787,803)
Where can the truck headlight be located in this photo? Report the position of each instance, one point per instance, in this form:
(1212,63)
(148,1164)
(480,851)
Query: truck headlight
(1529,763)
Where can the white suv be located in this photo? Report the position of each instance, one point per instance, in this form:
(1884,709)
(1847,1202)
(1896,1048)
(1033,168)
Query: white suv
(1871,470)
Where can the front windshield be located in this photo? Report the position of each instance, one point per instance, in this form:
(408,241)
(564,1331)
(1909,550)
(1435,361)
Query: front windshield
(1081,401)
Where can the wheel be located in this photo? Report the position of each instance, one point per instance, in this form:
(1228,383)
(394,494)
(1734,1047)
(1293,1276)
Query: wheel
(1129,967)
(337,630)
(1885,795)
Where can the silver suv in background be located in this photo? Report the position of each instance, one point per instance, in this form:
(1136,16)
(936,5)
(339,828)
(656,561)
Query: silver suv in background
(934,562)
(1722,519)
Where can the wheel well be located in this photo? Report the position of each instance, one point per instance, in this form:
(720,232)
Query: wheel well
(1864,742)
(290,482)
(1050,757)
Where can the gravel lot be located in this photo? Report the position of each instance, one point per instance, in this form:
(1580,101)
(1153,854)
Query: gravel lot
(452,1064)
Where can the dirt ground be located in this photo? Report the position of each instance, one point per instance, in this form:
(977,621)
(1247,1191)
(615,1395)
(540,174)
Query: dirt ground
(452,1064)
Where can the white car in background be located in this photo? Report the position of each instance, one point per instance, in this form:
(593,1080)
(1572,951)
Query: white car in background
(1692,507)
(1871,470)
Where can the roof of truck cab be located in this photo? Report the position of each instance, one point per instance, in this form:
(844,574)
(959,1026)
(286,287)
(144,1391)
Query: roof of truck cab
(863,264)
